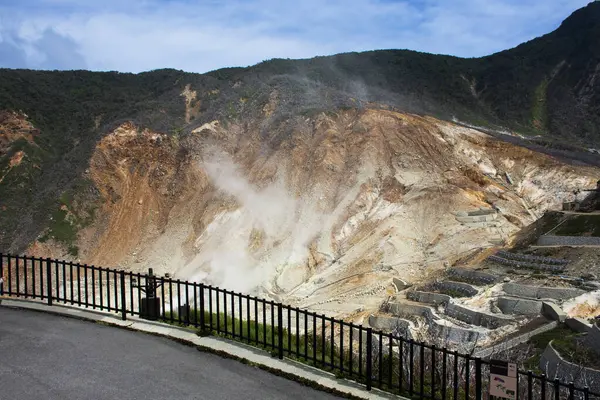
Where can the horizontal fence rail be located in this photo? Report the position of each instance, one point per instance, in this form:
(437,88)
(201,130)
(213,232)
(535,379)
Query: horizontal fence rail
(373,358)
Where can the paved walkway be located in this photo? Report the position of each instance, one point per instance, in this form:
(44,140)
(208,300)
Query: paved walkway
(51,357)
(121,369)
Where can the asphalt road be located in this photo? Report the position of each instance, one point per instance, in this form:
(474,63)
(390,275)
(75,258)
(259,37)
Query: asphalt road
(51,357)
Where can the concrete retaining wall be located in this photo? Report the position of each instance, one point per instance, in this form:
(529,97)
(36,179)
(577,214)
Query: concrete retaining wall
(541,292)
(593,339)
(513,305)
(550,240)
(396,325)
(479,318)
(554,366)
(578,325)
(531,258)
(553,311)
(517,340)
(460,287)
(400,284)
(482,211)
(469,219)
(526,264)
(439,329)
(475,276)
(590,285)
(455,334)
(403,310)
(428,297)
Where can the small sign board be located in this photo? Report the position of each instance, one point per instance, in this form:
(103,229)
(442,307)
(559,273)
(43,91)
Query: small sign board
(503,380)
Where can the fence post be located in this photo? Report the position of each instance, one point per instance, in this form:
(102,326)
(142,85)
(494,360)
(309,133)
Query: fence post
(1,276)
(187,304)
(202,306)
(369,372)
(571,391)
(123,304)
(280,330)
(529,384)
(49,280)
(478,382)
(543,386)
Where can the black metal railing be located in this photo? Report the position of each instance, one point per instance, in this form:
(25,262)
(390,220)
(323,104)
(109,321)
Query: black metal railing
(373,358)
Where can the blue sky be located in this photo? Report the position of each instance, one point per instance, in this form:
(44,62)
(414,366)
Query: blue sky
(202,35)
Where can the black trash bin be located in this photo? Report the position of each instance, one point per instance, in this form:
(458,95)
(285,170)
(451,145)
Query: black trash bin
(150,308)
(184,312)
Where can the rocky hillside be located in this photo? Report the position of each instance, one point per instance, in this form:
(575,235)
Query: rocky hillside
(315,180)
(323,218)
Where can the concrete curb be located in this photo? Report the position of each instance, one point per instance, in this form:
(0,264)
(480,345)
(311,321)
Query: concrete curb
(286,368)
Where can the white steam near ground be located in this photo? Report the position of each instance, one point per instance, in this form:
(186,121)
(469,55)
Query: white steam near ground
(585,306)
(244,249)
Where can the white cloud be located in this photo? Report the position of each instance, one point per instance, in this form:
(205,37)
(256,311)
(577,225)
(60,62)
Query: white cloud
(199,36)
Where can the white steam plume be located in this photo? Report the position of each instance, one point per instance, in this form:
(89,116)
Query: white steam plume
(286,227)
